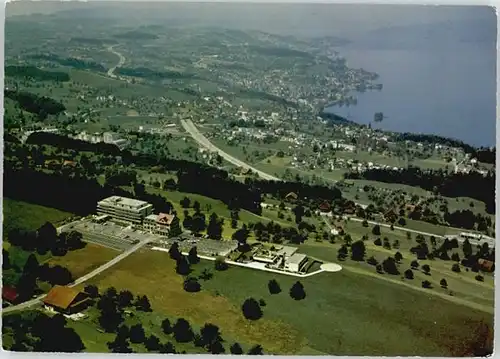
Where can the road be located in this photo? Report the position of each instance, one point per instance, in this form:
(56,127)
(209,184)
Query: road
(80,280)
(121,61)
(203,141)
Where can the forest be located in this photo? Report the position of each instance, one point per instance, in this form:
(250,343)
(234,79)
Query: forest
(34,73)
(473,185)
(39,105)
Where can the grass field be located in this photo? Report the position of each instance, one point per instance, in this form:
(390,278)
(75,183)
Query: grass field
(85,260)
(23,215)
(344,313)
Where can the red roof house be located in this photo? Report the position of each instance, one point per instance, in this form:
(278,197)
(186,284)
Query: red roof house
(10,294)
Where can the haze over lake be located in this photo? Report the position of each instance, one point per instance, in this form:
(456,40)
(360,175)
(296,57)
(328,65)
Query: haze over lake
(438,78)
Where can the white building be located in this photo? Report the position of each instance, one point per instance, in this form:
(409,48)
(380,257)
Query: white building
(127,209)
(295,262)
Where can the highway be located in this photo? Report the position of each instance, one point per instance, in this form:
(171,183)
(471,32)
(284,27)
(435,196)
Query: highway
(121,61)
(80,280)
(203,141)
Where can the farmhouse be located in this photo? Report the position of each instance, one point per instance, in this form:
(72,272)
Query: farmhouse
(66,300)
(127,209)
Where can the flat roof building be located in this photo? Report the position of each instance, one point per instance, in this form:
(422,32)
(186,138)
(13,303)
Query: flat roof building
(295,262)
(127,209)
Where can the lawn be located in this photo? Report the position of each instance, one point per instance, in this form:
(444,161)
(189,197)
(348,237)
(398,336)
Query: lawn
(28,216)
(85,260)
(152,273)
(344,313)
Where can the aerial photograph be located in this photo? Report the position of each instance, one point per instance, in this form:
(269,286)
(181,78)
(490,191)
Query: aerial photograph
(249,178)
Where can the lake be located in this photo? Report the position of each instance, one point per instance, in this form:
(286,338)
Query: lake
(436,82)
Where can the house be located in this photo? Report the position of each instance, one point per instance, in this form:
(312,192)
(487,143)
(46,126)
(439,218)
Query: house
(486,265)
(158,223)
(10,295)
(325,207)
(66,300)
(292,196)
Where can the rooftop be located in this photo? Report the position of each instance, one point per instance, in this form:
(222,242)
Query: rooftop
(123,201)
(296,258)
(61,297)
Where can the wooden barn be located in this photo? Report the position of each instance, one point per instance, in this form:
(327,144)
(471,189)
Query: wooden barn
(66,300)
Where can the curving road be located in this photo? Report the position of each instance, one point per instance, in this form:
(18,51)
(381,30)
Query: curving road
(80,280)
(121,61)
(203,141)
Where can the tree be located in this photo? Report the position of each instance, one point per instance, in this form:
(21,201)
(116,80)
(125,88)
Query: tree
(31,266)
(455,257)
(426,284)
(299,213)
(426,268)
(389,266)
(182,267)
(182,331)
(297,291)
(455,268)
(125,298)
(273,286)
(142,304)
(479,278)
(174,252)
(119,345)
(376,230)
(214,228)
(251,309)
(256,350)
(191,285)
(342,252)
(206,274)
(210,334)
(110,320)
(220,264)
(193,256)
(167,348)
(414,264)
(402,221)
(358,251)
(137,334)
(152,343)
(166,327)
(398,256)
(185,202)
(372,261)
(216,347)
(365,223)
(443,283)
(175,228)
(6,260)
(467,248)
(408,274)
(236,349)
(91,290)
(377,242)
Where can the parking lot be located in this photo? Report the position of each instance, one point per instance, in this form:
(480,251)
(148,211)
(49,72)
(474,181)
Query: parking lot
(109,234)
